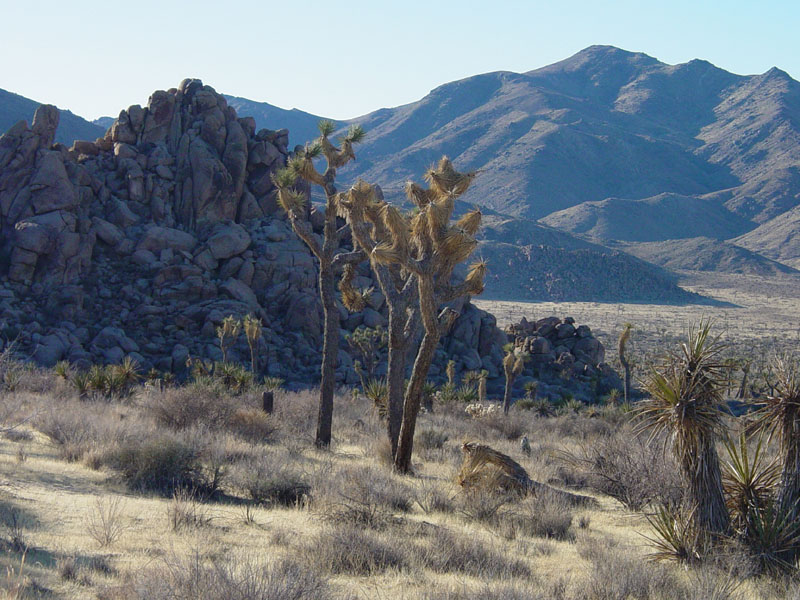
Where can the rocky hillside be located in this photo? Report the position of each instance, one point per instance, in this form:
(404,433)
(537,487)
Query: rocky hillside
(706,254)
(778,238)
(302,126)
(607,124)
(140,243)
(15,108)
(663,217)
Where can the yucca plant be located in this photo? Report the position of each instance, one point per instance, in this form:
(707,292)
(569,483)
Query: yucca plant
(378,393)
(272,383)
(684,407)
(294,202)
(81,382)
(98,381)
(749,479)
(466,393)
(128,371)
(773,538)
(676,536)
(227,334)
(63,370)
(252,331)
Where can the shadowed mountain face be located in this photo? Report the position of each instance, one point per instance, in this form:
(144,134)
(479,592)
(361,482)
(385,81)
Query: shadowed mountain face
(302,126)
(15,108)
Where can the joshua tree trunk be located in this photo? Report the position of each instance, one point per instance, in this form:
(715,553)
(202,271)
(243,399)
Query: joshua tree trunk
(330,351)
(743,386)
(422,365)
(507,393)
(398,345)
(623,359)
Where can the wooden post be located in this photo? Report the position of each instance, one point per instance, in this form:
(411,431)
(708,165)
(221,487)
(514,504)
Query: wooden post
(267,401)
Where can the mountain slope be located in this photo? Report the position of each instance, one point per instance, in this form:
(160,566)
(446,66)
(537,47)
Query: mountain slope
(778,238)
(15,108)
(302,126)
(705,254)
(662,217)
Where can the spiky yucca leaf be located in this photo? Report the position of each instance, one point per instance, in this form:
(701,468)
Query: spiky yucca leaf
(386,254)
(470,222)
(352,299)
(773,538)
(446,181)
(439,213)
(355,134)
(418,194)
(676,537)
(456,246)
(326,127)
(291,201)
(396,224)
(475,276)
(284,178)
(377,391)
(749,480)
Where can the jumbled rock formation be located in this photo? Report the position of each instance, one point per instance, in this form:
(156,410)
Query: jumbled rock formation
(140,243)
(563,357)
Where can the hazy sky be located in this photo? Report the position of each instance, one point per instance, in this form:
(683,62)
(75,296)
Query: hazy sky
(343,58)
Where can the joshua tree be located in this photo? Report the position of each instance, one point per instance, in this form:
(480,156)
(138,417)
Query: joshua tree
(482,386)
(293,202)
(373,222)
(685,397)
(252,330)
(513,364)
(227,334)
(780,417)
(451,372)
(623,359)
(428,248)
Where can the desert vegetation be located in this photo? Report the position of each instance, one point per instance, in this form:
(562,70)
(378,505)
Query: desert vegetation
(194,491)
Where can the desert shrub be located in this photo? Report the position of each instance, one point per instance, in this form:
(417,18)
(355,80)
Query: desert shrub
(525,404)
(348,549)
(73,433)
(160,463)
(186,511)
(509,429)
(105,521)
(538,515)
(200,402)
(627,468)
(364,495)
(446,552)
(431,498)
(283,486)
(239,578)
(429,438)
(617,573)
(251,424)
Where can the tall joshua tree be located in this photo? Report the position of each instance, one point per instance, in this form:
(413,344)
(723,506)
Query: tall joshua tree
(428,247)
(685,398)
(374,222)
(293,202)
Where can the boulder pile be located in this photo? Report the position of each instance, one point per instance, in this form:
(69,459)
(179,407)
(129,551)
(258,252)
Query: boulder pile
(565,358)
(140,243)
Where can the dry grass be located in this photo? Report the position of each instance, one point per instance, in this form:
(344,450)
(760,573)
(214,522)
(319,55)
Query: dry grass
(145,499)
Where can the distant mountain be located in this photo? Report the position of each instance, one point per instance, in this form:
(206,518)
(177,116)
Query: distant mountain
(778,238)
(302,126)
(705,254)
(104,122)
(606,124)
(662,217)
(15,108)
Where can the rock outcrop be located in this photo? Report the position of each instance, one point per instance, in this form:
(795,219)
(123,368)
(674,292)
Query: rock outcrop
(565,358)
(139,243)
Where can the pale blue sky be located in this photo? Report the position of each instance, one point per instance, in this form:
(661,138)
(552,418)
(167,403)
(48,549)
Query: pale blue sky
(345,58)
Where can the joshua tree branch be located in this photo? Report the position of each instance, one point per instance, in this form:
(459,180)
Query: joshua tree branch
(304,232)
(350,258)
